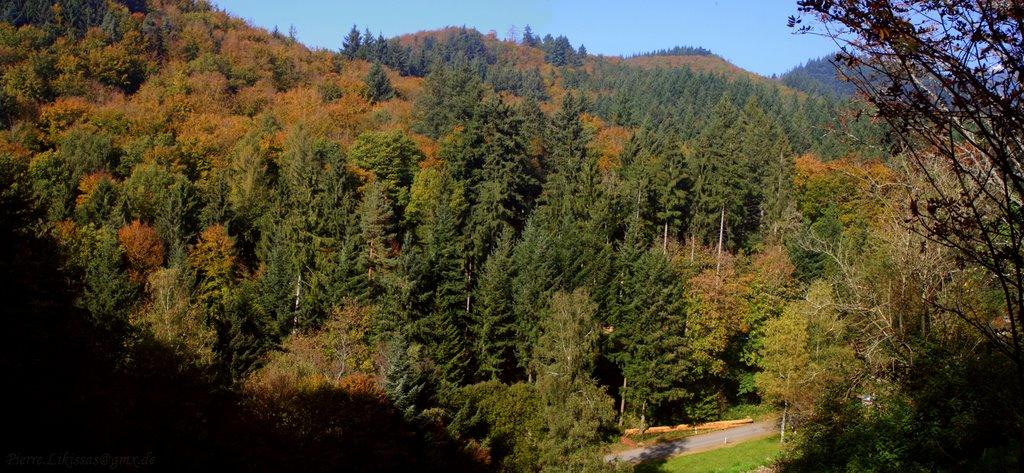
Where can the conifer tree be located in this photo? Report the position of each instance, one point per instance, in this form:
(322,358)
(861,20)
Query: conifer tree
(767,153)
(721,179)
(532,283)
(450,96)
(108,293)
(494,315)
(351,44)
(377,222)
(569,190)
(377,85)
(450,337)
(647,326)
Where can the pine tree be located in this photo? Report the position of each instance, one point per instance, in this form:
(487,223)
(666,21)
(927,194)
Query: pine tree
(721,179)
(377,85)
(377,222)
(766,150)
(502,187)
(529,39)
(351,44)
(532,285)
(450,338)
(108,293)
(494,315)
(449,98)
(569,192)
(646,340)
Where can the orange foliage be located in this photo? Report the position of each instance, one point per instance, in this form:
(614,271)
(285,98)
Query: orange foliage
(89,183)
(609,143)
(407,88)
(707,64)
(144,249)
(208,91)
(427,146)
(303,105)
(250,101)
(362,384)
(346,118)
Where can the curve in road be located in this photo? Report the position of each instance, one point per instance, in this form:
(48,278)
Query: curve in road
(697,442)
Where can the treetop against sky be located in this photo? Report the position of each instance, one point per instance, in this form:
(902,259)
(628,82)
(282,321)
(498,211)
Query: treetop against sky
(751,34)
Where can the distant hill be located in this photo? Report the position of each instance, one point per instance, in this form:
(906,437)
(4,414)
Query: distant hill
(679,51)
(818,77)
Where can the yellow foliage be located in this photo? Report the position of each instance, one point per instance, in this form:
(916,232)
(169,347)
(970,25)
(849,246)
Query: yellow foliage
(57,117)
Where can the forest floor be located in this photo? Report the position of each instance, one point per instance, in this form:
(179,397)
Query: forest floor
(694,443)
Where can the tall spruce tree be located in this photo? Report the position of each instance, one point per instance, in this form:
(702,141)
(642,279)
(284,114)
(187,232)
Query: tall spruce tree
(449,336)
(721,179)
(377,85)
(766,150)
(494,315)
(352,43)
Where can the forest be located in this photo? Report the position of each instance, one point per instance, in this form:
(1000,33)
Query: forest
(446,251)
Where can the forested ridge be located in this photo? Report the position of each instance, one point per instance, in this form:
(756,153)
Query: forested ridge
(447,251)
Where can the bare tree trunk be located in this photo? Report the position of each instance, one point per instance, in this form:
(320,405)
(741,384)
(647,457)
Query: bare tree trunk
(298,293)
(622,405)
(369,271)
(721,234)
(785,411)
(469,284)
(643,416)
(664,239)
(638,204)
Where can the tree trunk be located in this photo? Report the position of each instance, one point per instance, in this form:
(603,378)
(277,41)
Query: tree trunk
(369,271)
(643,416)
(638,204)
(664,239)
(721,234)
(785,411)
(469,284)
(622,404)
(295,313)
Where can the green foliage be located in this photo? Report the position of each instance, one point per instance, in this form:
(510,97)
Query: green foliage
(449,97)
(108,294)
(486,232)
(576,412)
(721,179)
(378,85)
(392,158)
(509,424)
(494,327)
(648,328)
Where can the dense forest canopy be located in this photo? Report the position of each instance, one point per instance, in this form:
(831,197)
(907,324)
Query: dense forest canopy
(448,252)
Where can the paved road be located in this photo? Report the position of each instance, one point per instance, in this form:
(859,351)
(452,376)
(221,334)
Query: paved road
(696,442)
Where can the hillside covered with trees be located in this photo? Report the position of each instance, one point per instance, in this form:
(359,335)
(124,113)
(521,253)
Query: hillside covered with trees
(448,252)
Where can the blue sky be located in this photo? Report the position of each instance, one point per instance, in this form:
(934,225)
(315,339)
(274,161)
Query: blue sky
(749,33)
